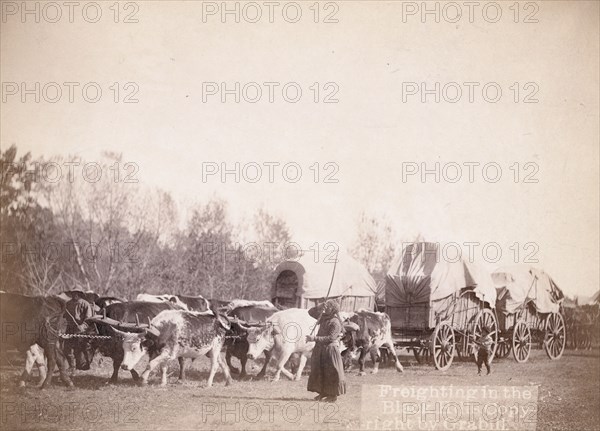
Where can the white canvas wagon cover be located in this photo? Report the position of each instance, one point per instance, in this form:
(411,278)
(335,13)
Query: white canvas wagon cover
(351,278)
(421,275)
(518,284)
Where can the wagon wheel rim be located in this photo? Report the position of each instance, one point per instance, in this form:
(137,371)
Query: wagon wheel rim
(504,348)
(443,346)
(521,342)
(555,339)
(487,318)
(422,354)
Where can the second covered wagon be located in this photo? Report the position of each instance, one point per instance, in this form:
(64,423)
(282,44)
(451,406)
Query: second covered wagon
(438,306)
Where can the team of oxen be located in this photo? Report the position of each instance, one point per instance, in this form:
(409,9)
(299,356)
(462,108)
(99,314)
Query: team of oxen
(168,327)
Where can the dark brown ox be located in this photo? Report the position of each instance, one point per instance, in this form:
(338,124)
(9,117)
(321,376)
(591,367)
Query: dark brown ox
(126,312)
(237,345)
(30,320)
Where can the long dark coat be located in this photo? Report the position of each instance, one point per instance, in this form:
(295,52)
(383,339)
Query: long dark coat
(326,367)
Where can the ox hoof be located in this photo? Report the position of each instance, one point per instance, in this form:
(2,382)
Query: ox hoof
(71,387)
(374,371)
(234,370)
(20,384)
(143,382)
(228,382)
(361,373)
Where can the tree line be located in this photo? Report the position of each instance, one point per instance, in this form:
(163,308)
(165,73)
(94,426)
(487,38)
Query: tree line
(65,228)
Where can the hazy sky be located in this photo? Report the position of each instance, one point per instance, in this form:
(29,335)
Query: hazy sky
(370,134)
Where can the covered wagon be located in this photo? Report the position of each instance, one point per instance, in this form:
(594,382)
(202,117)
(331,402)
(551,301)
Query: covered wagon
(438,306)
(303,282)
(528,308)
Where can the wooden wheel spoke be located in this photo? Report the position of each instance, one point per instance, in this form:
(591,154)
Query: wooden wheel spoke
(521,341)
(443,341)
(555,337)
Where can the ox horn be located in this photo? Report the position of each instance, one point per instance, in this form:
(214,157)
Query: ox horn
(242,324)
(351,326)
(119,334)
(152,331)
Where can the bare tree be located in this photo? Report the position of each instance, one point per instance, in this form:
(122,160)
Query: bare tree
(375,244)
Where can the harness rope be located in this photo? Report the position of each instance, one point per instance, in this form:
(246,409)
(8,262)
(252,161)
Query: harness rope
(328,292)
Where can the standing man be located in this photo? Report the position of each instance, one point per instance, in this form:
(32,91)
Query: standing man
(76,312)
(326,366)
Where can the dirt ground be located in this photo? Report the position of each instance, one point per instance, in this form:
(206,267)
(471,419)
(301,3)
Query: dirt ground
(568,397)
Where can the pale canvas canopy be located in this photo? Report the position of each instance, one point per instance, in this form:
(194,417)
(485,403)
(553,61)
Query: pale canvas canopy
(351,278)
(421,275)
(518,284)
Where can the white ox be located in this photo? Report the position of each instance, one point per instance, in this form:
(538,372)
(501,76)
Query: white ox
(34,356)
(283,335)
(185,302)
(177,334)
(237,303)
(146,297)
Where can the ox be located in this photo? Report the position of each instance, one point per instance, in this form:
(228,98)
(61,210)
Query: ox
(178,334)
(228,306)
(34,356)
(373,330)
(237,303)
(237,346)
(127,312)
(190,303)
(283,335)
(28,321)
(105,301)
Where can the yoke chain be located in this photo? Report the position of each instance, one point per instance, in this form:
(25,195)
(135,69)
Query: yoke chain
(62,335)
(105,337)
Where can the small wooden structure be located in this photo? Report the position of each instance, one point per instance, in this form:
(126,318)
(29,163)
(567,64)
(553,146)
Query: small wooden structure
(303,282)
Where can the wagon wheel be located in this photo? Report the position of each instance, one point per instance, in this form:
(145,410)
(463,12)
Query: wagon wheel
(443,346)
(486,318)
(555,339)
(583,339)
(521,342)
(573,337)
(504,347)
(422,354)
